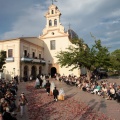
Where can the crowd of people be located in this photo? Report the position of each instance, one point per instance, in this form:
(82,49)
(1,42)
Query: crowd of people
(8,92)
(102,88)
(51,89)
(8,97)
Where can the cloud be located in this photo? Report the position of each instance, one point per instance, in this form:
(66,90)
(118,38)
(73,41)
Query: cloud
(85,16)
(29,24)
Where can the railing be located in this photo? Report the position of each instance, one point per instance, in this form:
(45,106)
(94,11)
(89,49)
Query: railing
(25,59)
(10,59)
(33,60)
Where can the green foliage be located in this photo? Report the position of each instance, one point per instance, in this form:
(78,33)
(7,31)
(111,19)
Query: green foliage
(2,58)
(77,55)
(80,55)
(101,55)
(115,59)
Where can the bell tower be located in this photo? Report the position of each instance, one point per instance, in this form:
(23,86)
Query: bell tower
(53,17)
(53,24)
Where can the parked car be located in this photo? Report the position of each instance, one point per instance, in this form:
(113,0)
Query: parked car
(100,73)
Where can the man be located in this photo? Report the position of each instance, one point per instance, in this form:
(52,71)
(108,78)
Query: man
(41,81)
(55,93)
(48,87)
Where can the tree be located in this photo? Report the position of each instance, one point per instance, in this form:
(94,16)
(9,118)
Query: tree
(2,58)
(115,59)
(101,55)
(80,55)
(77,55)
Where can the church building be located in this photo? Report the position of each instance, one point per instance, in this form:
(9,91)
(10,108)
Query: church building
(37,55)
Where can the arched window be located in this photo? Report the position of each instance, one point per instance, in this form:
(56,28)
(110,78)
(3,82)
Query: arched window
(50,22)
(55,22)
(52,12)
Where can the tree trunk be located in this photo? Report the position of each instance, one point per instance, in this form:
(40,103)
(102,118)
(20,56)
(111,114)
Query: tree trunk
(89,74)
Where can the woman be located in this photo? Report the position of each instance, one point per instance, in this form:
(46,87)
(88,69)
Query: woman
(22,102)
(112,93)
(52,88)
(61,94)
(37,83)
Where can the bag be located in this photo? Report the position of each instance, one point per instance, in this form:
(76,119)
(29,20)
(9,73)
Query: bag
(22,103)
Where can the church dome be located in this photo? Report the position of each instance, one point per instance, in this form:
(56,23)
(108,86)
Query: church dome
(72,34)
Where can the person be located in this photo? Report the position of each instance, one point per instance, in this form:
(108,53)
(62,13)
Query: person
(52,88)
(7,115)
(22,102)
(16,79)
(44,83)
(37,83)
(1,116)
(61,94)
(55,93)
(41,82)
(48,87)
(30,78)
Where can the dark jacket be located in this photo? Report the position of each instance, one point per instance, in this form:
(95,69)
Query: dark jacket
(55,92)
(8,116)
(48,85)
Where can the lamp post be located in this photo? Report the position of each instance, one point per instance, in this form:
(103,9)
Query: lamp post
(14,71)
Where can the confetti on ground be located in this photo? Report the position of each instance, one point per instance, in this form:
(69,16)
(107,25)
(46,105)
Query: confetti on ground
(43,107)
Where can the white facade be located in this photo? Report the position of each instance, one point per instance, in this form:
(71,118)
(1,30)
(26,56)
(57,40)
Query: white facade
(24,56)
(55,32)
(32,55)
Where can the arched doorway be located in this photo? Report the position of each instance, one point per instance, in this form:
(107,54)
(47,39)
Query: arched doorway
(53,71)
(33,72)
(25,73)
(40,70)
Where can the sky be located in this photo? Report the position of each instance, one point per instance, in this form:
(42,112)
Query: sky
(101,18)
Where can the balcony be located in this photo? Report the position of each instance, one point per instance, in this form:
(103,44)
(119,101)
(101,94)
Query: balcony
(25,59)
(33,60)
(36,60)
(10,59)
(42,61)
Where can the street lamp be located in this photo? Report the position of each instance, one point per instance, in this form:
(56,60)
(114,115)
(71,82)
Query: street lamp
(14,71)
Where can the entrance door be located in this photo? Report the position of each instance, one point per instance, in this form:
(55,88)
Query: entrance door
(25,77)
(40,70)
(53,71)
(33,72)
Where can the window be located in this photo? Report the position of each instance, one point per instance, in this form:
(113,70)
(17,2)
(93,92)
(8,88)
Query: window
(39,56)
(10,53)
(33,54)
(25,53)
(50,22)
(52,44)
(55,22)
(52,11)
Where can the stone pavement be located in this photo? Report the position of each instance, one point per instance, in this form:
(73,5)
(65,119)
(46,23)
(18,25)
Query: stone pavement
(109,107)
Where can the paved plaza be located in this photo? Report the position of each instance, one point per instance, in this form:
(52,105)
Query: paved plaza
(42,107)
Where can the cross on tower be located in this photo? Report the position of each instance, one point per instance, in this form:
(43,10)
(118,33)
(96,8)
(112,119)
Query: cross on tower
(53,1)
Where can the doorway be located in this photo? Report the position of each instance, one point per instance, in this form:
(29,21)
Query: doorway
(53,72)
(25,73)
(33,72)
